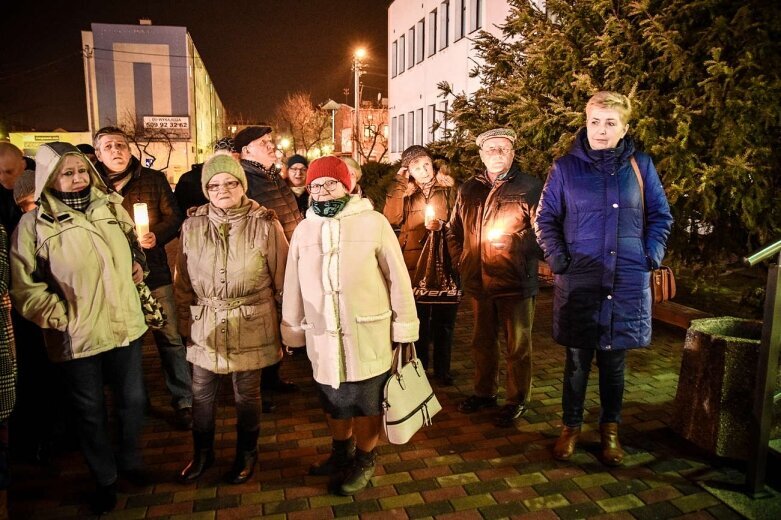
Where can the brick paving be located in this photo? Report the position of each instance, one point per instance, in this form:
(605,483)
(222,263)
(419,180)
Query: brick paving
(460,468)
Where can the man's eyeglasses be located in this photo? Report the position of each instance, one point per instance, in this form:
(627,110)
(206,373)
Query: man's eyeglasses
(328,185)
(497,151)
(230,185)
(297,169)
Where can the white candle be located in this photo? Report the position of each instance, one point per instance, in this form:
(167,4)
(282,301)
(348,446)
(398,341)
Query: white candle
(141,217)
(428,214)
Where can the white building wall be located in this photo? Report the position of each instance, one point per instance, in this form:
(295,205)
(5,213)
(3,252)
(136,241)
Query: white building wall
(412,91)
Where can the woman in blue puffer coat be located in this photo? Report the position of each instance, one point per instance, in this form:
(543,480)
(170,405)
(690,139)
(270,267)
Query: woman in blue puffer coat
(601,241)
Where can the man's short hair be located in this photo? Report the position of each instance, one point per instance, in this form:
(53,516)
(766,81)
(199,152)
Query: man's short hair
(8,148)
(108,130)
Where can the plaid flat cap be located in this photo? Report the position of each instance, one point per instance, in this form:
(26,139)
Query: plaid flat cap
(507,133)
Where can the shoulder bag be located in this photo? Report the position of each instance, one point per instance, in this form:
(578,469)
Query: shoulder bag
(662,279)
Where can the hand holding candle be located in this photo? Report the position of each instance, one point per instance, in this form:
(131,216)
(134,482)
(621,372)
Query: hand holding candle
(494,236)
(141,218)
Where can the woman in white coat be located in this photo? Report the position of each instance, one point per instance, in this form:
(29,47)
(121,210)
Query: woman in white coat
(347,296)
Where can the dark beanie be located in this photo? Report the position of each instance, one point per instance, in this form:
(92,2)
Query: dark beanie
(413,152)
(248,135)
(86,148)
(297,159)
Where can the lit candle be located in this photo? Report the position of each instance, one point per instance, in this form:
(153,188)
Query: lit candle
(494,237)
(429,214)
(141,217)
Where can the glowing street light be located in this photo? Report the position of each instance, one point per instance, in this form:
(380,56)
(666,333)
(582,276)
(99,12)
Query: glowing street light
(358,56)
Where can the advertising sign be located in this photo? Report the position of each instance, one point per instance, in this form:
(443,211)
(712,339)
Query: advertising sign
(175,127)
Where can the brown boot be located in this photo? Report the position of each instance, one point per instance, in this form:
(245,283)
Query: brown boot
(612,453)
(565,444)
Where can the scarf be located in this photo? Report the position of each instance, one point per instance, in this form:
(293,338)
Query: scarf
(329,208)
(78,200)
(268,171)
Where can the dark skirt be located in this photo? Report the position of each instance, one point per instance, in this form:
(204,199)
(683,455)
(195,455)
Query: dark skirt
(354,399)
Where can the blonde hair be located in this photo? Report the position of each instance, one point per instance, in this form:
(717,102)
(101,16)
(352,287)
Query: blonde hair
(612,101)
(354,166)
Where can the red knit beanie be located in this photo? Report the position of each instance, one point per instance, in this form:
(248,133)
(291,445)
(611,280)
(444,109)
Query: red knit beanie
(329,166)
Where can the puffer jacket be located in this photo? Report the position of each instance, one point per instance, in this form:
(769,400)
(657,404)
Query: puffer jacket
(347,294)
(591,227)
(71,272)
(229,276)
(151,186)
(506,266)
(405,208)
(269,189)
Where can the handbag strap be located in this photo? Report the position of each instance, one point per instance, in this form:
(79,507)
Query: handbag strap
(403,353)
(636,169)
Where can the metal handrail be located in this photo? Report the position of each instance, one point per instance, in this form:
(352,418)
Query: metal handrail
(763,254)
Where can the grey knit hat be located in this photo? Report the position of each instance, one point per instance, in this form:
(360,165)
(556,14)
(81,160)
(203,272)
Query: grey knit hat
(222,163)
(507,133)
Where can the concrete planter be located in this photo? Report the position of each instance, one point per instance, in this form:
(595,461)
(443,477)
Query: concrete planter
(715,392)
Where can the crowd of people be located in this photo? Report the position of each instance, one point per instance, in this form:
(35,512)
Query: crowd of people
(274,258)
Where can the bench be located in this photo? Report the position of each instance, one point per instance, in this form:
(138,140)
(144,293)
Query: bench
(676,314)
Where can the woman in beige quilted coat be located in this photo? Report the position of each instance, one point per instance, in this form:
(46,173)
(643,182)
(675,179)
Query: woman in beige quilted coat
(229,277)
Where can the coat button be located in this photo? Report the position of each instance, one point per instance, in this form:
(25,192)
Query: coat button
(615,205)
(612,252)
(609,296)
(222,330)
(608,347)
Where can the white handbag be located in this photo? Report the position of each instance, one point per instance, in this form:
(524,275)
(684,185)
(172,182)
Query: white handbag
(409,402)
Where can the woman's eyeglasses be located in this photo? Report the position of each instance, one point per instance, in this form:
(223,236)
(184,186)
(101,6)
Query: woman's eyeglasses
(328,185)
(230,185)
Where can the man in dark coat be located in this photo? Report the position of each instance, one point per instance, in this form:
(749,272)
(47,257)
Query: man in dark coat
(297,166)
(493,246)
(189,191)
(267,187)
(137,184)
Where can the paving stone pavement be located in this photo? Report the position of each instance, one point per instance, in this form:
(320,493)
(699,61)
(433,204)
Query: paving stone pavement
(462,467)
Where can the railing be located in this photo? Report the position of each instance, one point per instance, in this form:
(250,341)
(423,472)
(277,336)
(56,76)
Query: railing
(767,368)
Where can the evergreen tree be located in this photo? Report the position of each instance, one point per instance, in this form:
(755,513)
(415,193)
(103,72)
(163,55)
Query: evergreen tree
(705,80)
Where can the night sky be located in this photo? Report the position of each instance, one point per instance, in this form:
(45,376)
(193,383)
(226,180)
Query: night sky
(255,52)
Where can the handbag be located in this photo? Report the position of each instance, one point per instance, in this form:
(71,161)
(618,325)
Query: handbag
(409,403)
(154,315)
(662,279)
(435,280)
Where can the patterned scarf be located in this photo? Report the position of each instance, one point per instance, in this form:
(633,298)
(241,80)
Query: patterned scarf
(329,208)
(78,200)
(268,171)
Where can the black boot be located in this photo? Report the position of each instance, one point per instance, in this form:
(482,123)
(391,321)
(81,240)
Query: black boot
(358,476)
(105,499)
(246,457)
(342,454)
(203,457)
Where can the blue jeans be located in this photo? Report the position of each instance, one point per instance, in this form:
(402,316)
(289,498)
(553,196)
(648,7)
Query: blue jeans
(436,326)
(84,378)
(246,392)
(173,354)
(611,366)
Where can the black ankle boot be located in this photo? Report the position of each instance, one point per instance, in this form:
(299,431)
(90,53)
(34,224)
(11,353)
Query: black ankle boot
(203,457)
(342,454)
(105,499)
(359,474)
(246,457)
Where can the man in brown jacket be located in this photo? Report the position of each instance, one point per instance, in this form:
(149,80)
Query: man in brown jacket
(266,186)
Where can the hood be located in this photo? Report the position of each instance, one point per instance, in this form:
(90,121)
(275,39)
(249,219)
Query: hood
(48,159)
(582,150)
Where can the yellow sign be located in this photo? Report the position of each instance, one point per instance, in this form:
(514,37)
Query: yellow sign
(29,142)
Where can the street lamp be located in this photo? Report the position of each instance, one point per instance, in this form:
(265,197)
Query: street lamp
(359,55)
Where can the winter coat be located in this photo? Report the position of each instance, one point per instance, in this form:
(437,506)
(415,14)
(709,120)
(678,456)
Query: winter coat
(229,275)
(71,272)
(151,186)
(347,294)
(405,207)
(270,190)
(508,205)
(591,228)
(188,190)
(7,346)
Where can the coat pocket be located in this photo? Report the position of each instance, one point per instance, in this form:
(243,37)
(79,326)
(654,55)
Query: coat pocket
(254,326)
(373,335)
(199,332)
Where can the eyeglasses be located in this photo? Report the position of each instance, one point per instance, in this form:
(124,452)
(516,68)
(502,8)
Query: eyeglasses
(230,185)
(297,169)
(328,185)
(497,151)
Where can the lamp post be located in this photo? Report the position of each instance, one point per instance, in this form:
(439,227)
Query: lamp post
(332,106)
(358,70)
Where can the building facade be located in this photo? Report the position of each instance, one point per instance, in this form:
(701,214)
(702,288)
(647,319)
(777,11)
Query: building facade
(150,81)
(429,41)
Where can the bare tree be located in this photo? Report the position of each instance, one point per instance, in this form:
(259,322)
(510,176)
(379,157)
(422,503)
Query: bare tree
(372,136)
(308,127)
(141,137)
